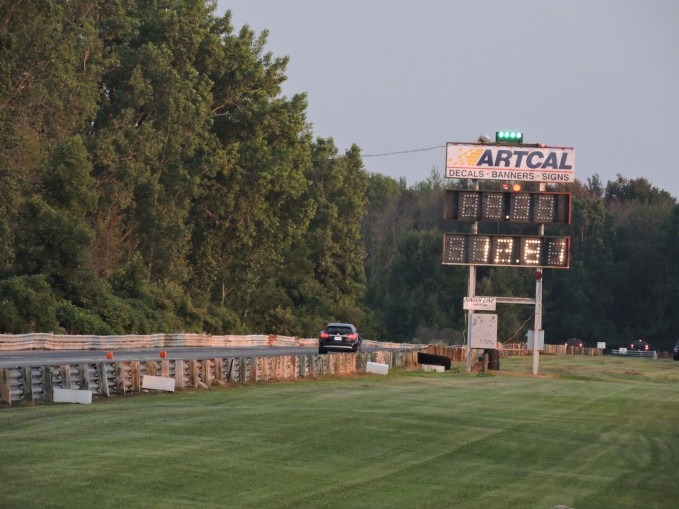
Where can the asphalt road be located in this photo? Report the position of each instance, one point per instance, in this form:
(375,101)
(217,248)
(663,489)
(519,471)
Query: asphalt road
(15,359)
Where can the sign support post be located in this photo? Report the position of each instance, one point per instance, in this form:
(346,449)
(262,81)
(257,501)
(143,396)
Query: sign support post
(538,306)
(471,292)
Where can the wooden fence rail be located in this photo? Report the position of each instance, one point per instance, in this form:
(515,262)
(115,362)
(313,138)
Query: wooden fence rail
(459,353)
(32,384)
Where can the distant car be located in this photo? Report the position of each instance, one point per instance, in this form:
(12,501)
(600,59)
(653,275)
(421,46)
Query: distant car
(574,343)
(340,336)
(675,354)
(639,345)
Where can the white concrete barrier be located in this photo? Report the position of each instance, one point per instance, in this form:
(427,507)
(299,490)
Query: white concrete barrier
(158,383)
(72,396)
(434,368)
(374,367)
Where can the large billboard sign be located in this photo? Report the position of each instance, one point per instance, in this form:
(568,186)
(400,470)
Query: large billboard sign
(551,165)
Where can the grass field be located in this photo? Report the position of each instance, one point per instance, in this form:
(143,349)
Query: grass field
(590,432)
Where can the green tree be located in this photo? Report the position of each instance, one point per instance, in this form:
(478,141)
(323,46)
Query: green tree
(422,293)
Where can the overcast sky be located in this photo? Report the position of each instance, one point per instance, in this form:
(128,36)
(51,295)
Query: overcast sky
(601,76)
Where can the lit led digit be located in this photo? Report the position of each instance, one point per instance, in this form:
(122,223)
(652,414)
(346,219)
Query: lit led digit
(454,248)
(543,208)
(492,206)
(479,250)
(503,249)
(531,249)
(557,252)
(469,206)
(519,207)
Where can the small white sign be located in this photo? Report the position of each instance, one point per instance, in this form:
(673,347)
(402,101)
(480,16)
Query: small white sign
(72,396)
(434,368)
(480,303)
(376,367)
(541,339)
(158,383)
(484,331)
(601,345)
(622,351)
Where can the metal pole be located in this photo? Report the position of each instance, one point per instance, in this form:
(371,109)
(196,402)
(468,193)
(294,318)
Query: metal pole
(538,306)
(538,322)
(471,292)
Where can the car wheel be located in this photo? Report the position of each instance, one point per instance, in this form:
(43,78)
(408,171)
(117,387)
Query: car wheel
(321,350)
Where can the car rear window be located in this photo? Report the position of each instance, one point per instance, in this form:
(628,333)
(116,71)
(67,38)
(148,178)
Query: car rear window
(339,330)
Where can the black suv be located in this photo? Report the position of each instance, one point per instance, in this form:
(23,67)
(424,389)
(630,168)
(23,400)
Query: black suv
(675,354)
(639,345)
(574,343)
(339,336)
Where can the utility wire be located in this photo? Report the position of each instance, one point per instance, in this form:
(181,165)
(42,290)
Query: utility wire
(403,151)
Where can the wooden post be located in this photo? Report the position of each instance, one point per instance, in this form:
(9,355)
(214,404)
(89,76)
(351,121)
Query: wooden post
(84,377)
(47,387)
(27,381)
(293,367)
(301,360)
(103,380)
(120,377)
(193,373)
(179,374)
(135,368)
(150,368)
(5,392)
(283,367)
(65,376)
(253,370)
(273,363)
(219,372)
(165,368)
(312,365)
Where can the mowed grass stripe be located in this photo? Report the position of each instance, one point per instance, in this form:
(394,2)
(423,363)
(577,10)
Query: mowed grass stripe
(593,432)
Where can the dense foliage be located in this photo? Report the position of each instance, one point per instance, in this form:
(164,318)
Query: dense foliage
(153,178)
(623,282)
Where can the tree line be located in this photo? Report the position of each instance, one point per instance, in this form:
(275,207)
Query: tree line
(153,178)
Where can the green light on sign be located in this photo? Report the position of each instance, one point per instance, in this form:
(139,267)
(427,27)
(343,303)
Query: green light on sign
(513,137)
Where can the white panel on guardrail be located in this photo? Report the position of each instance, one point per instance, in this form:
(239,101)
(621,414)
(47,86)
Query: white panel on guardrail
(158,383)
(374,367)
(72,396)
(434,368)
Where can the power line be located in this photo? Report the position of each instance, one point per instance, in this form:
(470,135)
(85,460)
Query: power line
(403,151)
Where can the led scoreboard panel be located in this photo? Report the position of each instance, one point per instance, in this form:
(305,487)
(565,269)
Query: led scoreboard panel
(506,250)
(510,207)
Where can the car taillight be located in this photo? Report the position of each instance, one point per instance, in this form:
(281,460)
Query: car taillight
(646,347)
(352,337)
(324,335)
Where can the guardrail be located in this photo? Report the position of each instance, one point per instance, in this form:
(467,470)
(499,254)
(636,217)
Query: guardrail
(650,354)
(49,341)
(33,384)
